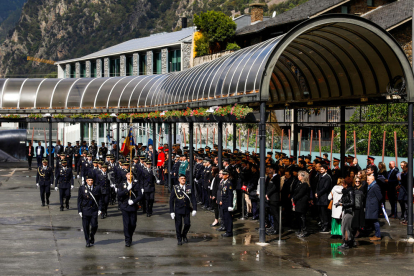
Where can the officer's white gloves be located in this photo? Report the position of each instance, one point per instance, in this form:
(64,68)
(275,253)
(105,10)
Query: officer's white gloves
(99,213)
(142,191)
(112,185)
(80,214)
(56,189)
(37,184)
(116,190)
(78,176)
(230,209)
(51,185)
(129,187)
(172,215)
(71,187)
(194,213)
(130,202)
(82,179)
(158,182)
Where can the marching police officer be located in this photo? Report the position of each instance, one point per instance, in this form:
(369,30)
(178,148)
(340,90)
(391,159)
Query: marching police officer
(93,150)
(64,179)
(86,166)
(129,193)
(148,184)
(174,170)
(76,154)
(83,148)
(227,204)
(79,165)
(44,179)
(182,203)
(103,151)
(69,154)
(102,181)
(89,208)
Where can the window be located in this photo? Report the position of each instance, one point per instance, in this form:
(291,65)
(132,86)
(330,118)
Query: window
(101,130)
(93,69)
(370,3)
(344,9)
(72,71)
(114,67)
(83,69)
(157,63)
(143,64)
(174,61)
(129,65)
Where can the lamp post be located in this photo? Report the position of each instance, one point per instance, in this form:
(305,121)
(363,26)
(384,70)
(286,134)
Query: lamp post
(49,119)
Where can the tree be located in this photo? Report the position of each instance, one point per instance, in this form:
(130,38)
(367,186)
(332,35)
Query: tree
(217,28)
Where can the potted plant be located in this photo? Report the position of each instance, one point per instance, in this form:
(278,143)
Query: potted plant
(202,115)
(187,114)
(59,117)
(155,117)
(221,113)
(122,117)
(240,112)
(35,116)
(173,115)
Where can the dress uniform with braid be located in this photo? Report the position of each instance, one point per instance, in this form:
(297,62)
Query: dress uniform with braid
(102,181)
(64,179)
(44,179)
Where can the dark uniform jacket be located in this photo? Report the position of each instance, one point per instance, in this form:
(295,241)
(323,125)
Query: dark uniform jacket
(69,153)
(102,152)
(227,194)
(273,189)
(64,178)
(148,181)
(44,176)
(86,203)
(102,181)
(180,200)
(207,177)
(175,169)
(124,195)
(93,149)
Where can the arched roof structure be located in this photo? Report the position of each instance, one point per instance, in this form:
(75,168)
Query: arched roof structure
(328,60)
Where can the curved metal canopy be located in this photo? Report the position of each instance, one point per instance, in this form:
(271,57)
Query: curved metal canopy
(333,58)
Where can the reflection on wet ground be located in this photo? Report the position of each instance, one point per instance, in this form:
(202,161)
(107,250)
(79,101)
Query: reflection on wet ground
(31,233)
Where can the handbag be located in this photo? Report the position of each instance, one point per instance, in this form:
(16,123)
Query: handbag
(330,203)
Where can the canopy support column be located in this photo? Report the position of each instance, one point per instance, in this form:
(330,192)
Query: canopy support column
(262,152)
(154,140)
(220,144)
(169,155)
(51,163)
(175,132)
(410,171)
(117,141)
(342,140)
(191,146)
(81,133)
(295,133)
(234,137)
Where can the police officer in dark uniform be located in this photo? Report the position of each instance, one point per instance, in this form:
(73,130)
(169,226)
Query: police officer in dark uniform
(174,170)
(79,165)
(148,184)
(93,150)
(182,204)
(69,154)
(102,181)
(44,179)
(89,208)
(64,178)
(76,154)
(103,151)
(227,204)
(83,148)
(129,194)
(86,166)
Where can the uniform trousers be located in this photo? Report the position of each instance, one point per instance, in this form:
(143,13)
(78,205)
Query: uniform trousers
(105,201)
(90,226)
(274,212)
(149,201)
(64,193)
(228,221)
(206,197)
(182,233)
(44,189)
(130,223)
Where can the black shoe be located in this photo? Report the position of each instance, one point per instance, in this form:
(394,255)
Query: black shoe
(227,235)
(43,204)
(209,208)
(185,240)
(47,201)
(67,205)
(255,218)
(127,244)
(344,246)
(88,244)
(273,232)
(324,230)
(102,216)
(303,235)
(214,225)
(179,243)
(61,208)
(203,207)
(221,229)
(92,241)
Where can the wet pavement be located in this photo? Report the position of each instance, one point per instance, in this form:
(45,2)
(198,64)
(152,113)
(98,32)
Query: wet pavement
(39,240)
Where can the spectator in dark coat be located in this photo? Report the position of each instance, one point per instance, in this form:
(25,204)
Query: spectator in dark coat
(300,199)
(391,186)
(403,192)
(30,154)
(372,209)
(273,197)
(323,188)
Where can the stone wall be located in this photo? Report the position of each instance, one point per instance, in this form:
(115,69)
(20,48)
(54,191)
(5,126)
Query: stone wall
(164,61)
(99,68)
(122,65)
(150,66)
(185,55)
(77,70)
(135,70)
(88,69)
(208,58)
(106,67)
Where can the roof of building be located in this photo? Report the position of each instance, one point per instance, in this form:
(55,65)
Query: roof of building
(307,10)
(391,15)
(139,44)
